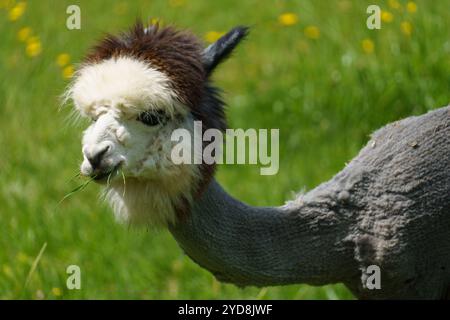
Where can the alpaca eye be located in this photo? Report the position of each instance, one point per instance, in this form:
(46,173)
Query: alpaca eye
(152,118)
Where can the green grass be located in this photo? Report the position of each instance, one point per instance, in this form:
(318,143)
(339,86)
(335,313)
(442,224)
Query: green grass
(326,95)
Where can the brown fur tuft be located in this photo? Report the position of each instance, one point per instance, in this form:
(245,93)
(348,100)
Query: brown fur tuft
(175,53)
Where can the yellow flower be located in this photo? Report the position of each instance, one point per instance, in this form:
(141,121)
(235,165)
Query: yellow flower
(406,28)
(67,72)
(368,46)
(394,4)
(24,33)
(411,7)
(288,19)
(156,21)
(62,59)
(34,47)
(56,292)
(17,11)
(386,16)
(213,36)
(312,32)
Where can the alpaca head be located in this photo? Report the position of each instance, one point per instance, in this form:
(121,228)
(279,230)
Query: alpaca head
(137,88)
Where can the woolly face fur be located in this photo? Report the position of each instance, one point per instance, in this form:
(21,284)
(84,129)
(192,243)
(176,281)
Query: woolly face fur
(137,88)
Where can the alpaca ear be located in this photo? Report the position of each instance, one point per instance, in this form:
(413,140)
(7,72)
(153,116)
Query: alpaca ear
(222,48)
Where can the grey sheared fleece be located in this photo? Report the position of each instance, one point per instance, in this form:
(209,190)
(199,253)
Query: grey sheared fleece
(390,207)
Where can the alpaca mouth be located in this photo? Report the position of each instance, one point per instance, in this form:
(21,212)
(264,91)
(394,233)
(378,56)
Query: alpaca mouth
(102,177)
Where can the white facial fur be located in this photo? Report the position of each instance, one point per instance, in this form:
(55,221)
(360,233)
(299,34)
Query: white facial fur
(122,83)
(113,93)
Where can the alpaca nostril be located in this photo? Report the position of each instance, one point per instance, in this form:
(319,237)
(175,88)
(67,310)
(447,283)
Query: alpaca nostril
(96,158)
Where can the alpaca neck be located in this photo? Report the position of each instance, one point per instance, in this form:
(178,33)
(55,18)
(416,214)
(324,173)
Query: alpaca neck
(300,242)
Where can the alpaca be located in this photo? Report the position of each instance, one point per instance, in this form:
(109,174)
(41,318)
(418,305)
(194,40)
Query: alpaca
(388,207)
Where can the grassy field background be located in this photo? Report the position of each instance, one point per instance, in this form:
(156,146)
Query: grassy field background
(310,68)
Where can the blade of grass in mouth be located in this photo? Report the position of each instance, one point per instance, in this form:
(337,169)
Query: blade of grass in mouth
(124,184)
(77,189)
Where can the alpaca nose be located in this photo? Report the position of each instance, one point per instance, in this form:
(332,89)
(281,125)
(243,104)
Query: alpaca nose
(96,156)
